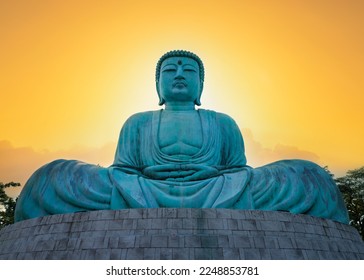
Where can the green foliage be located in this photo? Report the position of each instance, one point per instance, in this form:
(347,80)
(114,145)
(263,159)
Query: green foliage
(7,205)
(352,188)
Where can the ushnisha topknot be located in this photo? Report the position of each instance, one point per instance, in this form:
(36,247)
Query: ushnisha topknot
(181,53)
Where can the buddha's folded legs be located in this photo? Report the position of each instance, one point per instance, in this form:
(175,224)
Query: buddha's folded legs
(296,186)
(299,187)
(64,186)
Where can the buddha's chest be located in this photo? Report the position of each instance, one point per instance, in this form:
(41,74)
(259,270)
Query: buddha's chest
(180,133)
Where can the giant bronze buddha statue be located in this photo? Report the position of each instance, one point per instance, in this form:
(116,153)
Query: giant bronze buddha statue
(181,157)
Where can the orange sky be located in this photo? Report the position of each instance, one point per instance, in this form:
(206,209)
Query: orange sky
(289,72)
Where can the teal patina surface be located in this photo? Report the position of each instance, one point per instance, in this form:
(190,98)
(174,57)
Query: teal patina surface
(181,157)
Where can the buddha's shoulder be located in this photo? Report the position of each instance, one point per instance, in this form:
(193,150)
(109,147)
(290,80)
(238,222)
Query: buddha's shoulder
(222,118)
(140,117)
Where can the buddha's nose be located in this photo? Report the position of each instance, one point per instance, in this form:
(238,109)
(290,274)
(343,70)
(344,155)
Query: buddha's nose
(179,73)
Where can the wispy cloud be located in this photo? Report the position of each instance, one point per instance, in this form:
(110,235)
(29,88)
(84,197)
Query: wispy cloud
(258,155)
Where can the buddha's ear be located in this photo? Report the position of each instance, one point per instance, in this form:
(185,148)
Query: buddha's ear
(161,100)
(198,99)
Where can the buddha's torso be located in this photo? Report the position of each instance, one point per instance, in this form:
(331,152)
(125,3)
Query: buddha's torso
(180,133)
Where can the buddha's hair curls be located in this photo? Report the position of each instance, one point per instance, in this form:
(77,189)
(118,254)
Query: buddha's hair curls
(180,53)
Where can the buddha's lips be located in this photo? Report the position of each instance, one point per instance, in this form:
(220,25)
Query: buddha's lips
(179,83)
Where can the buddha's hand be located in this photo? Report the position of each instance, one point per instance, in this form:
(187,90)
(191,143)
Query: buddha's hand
(180,172)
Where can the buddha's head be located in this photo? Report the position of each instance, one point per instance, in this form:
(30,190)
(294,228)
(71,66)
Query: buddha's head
(179,77)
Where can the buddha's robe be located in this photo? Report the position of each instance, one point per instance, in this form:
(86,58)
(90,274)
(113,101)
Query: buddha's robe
(66,186)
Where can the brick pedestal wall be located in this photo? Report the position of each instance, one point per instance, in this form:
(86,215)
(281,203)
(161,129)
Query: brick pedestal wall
(180,234)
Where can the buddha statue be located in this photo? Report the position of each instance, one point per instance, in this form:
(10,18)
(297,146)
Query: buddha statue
(181,157)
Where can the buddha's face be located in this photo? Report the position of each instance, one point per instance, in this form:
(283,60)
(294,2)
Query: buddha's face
(179,80)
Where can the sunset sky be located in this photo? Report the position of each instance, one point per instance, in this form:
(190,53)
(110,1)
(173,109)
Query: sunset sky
(289,72)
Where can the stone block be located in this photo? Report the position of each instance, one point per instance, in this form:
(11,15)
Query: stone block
(169,212)
(144,223)
(73,243)
(294,254)
(99,225)
(245,242)
(223,214)
(76,226)
(102,254)
(93,234)
(271,242)
(248,225)
(85,244)
(257,215)
(232,224)
(135,214)
(187,223)
(207,213)
(239,215)
(115,254)
(215,223)
(184,213)
(88,254)
(62,244)
(158,223)
(217,254)
(135,254)
(101,242)
(122,214)
(270,225)
(180,253)
(126,242)
(196,213)
(143,241)
(166,253)
(160,241)
(286,243)
(87,226)
(265,254)
(113,242)
(192,241)
(302,243)
(80,216)
(312,254)
(224,241)
(174,223)
(116,224)
(149,254)
(231,253)
(106,215)
(202,253)
(209,241)
(277,254)
(176,241)
(249,254)
(259,242)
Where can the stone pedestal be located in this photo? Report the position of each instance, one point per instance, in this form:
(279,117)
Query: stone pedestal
(187,234)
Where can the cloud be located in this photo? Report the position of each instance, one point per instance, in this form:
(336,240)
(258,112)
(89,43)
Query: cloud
(257,155)
(19,163)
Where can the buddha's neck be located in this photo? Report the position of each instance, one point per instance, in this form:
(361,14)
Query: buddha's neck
(180,106)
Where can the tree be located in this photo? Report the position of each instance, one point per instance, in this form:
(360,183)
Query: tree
(352,188)
(7,205)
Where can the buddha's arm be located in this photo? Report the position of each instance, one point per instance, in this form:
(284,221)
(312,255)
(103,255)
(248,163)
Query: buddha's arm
(233,150)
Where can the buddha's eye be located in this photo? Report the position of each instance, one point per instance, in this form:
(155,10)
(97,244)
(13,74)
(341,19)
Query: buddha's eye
(169,69)
(188,69)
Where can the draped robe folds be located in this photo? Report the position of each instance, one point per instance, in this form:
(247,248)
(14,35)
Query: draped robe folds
(67,186)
